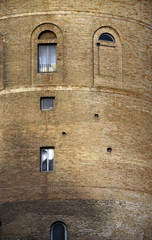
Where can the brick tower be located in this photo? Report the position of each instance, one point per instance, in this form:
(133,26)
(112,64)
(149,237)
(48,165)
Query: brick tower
(75,120)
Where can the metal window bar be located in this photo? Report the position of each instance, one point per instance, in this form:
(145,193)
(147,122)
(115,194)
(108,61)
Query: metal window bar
(47,67)
(47,103)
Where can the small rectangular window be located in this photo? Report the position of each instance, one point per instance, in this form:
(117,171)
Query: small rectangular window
(47,57)
(47,159)
(47,103)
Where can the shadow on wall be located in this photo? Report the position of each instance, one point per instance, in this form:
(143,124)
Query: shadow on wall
(85,219)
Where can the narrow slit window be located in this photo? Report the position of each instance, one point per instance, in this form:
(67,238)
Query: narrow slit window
(47,58)
(47,159)
(47,103)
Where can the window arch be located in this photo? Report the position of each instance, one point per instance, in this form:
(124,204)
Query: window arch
(58,231)
(107,58)
(47,35)
(47,55)
(47,52)
(106,37)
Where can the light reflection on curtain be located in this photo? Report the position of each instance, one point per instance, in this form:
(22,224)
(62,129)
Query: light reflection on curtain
(48,58)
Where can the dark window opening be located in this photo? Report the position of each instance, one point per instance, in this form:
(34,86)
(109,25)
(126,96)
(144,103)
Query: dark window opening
(106,37)
(47,103)
(58,231)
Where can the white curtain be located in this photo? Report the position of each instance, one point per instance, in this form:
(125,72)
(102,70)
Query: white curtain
(47,58)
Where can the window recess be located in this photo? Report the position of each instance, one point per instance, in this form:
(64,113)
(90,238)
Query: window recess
(107,58)
(47,159)
(47,58)
(58,231)
(106,37)
(47,103)
(47,55)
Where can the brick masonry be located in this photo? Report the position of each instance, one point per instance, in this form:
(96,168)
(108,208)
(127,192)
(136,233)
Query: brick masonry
(98,194)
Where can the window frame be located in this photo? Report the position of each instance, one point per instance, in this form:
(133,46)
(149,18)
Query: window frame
(52,229)
(41,166)
(47,78)
(42,43)
(41,103)
(109,35)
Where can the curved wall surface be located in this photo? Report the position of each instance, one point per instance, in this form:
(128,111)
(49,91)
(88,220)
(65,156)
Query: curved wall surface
(100,126)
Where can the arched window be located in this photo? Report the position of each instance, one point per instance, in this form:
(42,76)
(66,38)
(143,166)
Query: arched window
(107,58)
(47,55)
(47,52)
(58,231)
(106,37)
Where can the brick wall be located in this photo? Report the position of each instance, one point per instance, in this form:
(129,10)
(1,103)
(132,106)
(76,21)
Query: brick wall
(98,194)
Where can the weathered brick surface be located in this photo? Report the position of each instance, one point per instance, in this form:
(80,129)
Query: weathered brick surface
(99,195)
(85,219)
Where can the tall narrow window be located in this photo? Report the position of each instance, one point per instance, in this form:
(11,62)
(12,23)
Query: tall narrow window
(58,231)
(47,159)
(47,57)
(47,52)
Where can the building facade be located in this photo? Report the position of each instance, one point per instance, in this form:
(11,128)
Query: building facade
(76,124)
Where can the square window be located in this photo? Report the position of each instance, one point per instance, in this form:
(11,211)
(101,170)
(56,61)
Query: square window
(47,159)
(47,103)
(47,58)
